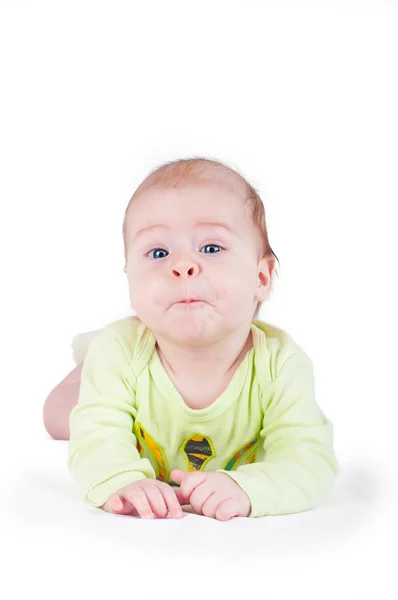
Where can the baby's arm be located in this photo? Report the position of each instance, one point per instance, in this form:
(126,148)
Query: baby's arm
(103,455)
(300,466)
(59,403)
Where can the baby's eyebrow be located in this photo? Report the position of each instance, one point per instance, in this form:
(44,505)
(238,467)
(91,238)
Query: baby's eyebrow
(197,224)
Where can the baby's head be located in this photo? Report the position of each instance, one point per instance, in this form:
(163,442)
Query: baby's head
(195,228)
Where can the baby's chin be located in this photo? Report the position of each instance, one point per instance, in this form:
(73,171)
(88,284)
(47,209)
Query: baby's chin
(190,321)
(190,325)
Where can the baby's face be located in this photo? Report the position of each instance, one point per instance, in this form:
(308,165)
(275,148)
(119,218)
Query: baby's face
(183,255)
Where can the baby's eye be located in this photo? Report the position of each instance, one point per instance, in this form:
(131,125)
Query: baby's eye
(156,250)
(211,246)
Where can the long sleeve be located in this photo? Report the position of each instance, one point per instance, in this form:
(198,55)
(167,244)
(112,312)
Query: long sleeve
(299,466)
(102,452)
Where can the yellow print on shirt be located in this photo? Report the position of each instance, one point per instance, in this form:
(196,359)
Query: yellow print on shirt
(198,450)
(157,451)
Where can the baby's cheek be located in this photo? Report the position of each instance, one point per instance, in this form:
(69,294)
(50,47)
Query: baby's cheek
(239,288)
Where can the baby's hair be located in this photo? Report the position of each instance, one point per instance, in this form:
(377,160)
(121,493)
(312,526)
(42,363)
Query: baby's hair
(185,171)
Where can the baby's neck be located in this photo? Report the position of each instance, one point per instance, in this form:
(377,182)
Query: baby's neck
(214,363)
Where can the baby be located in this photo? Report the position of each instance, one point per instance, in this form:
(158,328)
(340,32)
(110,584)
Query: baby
(194,390)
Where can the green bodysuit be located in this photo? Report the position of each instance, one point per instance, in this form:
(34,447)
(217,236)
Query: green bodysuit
(265,430)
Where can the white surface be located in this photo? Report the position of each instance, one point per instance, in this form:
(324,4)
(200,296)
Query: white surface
(61,544)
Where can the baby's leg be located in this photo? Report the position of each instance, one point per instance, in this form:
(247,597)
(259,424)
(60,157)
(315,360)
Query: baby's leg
(59,404)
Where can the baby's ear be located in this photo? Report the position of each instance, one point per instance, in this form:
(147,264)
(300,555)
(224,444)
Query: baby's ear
(80,344)
(265,273)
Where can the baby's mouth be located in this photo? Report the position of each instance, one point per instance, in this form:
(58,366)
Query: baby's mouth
(188,300)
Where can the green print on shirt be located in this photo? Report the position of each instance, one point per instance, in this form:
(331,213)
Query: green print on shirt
(236,457)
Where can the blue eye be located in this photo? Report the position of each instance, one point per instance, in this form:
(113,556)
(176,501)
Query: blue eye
(211,246)
(156,250)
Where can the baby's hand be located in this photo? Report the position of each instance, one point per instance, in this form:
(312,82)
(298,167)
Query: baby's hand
(212,494)
(140,497)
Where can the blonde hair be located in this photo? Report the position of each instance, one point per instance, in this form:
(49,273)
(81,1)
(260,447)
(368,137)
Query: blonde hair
(185,171)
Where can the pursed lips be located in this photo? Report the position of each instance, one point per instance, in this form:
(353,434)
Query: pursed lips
(189,301)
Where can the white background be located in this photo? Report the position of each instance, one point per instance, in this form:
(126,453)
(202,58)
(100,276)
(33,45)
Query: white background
(302,98)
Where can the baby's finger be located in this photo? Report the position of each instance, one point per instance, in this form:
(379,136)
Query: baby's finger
(125,508)
(172,502)
(209,508)
(189,484)
(156,500)
(227,509)
(182,500)
(117,505)
(113,503)
(137,497)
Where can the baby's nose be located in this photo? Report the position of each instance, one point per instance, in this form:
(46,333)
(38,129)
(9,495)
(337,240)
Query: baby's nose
(184,269)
